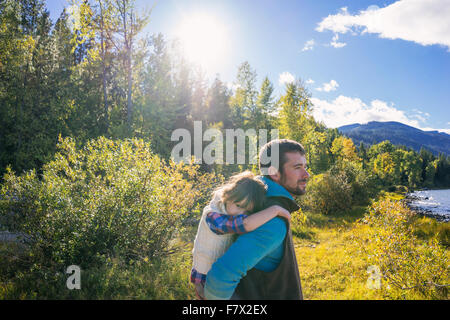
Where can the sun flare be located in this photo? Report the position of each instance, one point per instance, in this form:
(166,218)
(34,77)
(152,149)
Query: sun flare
(204,40)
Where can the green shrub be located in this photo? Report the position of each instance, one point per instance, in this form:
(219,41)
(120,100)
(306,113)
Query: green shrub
(410,268)
(362,184)
(427,228)
(299,225)
(328,194)
(401,189)
(110,199)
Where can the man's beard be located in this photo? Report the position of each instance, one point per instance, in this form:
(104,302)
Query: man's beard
(296,191)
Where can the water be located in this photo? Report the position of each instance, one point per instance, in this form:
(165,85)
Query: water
(436,202)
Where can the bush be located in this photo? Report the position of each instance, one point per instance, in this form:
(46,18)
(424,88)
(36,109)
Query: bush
(426,228)
(328,194)
(410,269)
(299,225)
(362,184)
(110,199)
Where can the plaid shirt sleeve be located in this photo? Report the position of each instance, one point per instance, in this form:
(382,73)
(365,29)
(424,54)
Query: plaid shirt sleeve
(197,277)
(222,223)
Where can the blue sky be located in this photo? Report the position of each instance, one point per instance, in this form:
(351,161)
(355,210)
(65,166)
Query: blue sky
(361,60)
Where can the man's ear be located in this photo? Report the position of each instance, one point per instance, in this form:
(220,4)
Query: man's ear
(274,173)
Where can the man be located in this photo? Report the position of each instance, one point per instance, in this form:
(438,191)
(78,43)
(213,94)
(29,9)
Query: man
(261,265)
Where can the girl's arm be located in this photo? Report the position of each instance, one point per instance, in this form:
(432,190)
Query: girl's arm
(220,223)
(259,218)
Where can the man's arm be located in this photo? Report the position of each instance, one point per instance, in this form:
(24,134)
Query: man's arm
(243,255)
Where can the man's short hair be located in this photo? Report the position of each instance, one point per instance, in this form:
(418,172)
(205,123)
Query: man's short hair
(284,146)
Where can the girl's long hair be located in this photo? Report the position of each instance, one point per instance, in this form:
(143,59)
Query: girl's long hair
(243,187)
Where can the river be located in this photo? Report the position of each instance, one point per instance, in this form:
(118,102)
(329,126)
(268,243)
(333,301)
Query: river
(432,202)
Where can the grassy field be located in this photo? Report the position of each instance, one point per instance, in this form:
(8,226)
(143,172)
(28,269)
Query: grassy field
(332,264)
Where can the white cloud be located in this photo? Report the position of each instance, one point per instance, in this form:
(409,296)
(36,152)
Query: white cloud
(327,87)
(425,22)
(420,118)
(309,81)
(447,131)
(346,110)
(336,44)
(420,115)
(309,45)
(285,78)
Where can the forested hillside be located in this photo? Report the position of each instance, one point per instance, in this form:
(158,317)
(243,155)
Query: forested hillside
(399,134)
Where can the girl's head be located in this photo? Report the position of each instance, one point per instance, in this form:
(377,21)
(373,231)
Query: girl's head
(243,193)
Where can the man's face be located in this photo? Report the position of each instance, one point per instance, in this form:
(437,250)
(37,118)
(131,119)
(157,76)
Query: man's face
(294,176)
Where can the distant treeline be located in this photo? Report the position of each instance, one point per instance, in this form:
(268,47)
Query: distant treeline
(94,73)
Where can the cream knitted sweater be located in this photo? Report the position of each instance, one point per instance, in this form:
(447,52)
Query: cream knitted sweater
(208,246)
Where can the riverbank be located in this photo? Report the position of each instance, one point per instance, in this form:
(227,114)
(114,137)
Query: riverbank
(426,224)
(418,203)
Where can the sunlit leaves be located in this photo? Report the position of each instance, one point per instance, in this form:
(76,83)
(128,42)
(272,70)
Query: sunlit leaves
(409,269)
(110,198)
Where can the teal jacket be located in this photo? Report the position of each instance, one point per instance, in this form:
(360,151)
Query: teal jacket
(261,249)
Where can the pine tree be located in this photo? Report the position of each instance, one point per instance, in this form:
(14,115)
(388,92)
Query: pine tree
(265,106)
(362,153)
(29,121)
(243,102)
(294,116)
(217,103)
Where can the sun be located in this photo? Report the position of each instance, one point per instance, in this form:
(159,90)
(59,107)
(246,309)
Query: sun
(204,40)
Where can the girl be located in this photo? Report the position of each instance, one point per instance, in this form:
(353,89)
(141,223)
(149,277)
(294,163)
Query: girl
(228,214)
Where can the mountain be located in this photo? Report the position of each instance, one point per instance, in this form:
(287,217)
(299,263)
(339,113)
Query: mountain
(399,134)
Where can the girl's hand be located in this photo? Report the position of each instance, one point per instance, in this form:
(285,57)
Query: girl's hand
(199,291)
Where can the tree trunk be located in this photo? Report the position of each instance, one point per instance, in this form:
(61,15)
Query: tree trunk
(130,82)
(105,93)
